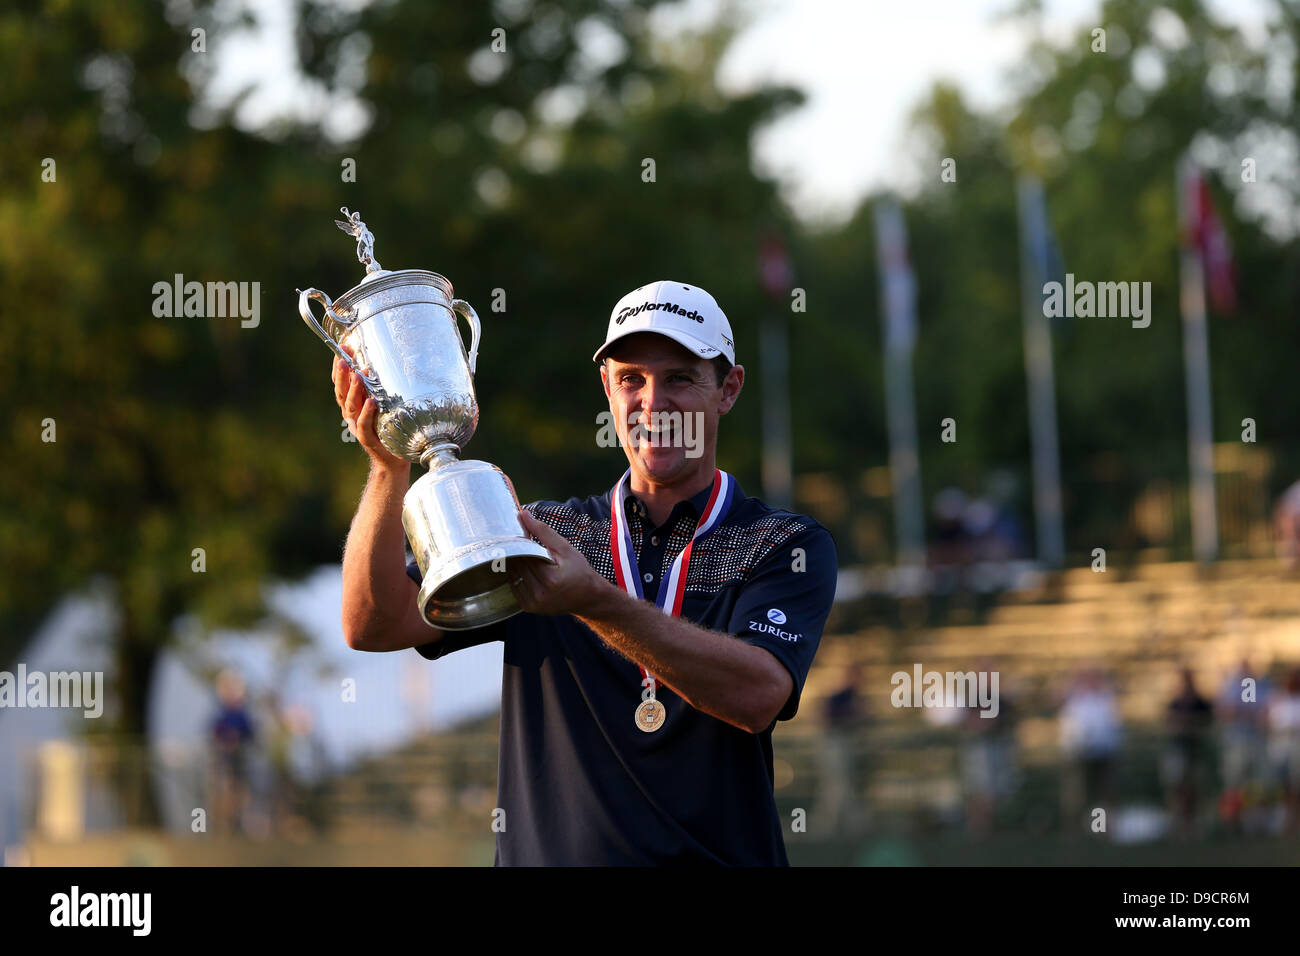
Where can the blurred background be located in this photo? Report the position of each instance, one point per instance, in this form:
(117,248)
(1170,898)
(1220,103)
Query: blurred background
(1104,514)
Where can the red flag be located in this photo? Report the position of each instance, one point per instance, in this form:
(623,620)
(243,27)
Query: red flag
(774,269)
(1205,231)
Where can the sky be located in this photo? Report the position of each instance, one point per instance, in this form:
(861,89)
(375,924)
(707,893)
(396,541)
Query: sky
(863,64)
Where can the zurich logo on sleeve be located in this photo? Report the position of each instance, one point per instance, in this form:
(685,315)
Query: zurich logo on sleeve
(776,617)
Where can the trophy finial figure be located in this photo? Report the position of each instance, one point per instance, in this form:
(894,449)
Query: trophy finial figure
(365,239)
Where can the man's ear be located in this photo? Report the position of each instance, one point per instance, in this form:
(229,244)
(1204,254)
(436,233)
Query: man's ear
(731,386)
(604,377)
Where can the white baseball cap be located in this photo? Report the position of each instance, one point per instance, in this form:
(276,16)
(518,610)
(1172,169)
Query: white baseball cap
(685,313)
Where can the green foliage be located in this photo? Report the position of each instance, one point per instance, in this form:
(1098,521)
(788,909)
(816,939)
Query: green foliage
(182,433)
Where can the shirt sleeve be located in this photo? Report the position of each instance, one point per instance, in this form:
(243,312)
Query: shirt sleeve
(452,641)
(784,605)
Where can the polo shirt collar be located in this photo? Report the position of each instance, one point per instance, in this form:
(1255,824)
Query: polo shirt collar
(693,505)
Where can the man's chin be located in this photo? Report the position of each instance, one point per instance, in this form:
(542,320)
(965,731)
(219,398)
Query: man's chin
(662,465)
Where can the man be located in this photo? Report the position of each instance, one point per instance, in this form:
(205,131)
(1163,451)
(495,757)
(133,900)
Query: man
(632,732)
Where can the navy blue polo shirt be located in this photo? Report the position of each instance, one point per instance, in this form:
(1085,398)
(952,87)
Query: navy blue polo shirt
(579,782)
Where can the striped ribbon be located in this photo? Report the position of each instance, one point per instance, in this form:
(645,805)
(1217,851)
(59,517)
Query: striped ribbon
(673,588)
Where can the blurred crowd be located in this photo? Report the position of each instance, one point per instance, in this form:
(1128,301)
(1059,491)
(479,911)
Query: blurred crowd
(977,528)
(1227,762)
(268,770)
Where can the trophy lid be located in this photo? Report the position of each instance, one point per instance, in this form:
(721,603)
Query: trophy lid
(354,227)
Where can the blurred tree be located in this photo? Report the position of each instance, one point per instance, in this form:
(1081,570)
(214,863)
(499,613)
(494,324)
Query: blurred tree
(196,457)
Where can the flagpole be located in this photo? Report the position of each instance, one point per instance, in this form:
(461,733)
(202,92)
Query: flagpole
(897,295)
(777,466)
(904,459)
(1196,355)
(1040,376)
(776,275)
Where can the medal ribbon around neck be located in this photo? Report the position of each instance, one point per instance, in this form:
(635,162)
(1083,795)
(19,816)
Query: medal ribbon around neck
(673,587)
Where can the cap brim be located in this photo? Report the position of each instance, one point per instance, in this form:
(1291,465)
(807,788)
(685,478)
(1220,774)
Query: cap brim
(690,342)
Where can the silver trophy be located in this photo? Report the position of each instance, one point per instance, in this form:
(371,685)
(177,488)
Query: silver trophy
(461,517)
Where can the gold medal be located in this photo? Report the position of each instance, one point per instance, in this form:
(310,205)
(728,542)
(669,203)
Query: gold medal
(650,715)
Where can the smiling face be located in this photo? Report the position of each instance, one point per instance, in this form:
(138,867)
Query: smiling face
(666,402)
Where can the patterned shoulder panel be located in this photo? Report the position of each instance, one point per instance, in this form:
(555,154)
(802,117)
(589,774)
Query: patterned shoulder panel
(728,556)
(736,550)
(575,520)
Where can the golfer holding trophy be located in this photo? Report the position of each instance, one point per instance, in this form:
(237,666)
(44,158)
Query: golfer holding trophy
(654,634)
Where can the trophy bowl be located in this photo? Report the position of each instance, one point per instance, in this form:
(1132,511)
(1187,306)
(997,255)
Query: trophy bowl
(462,521)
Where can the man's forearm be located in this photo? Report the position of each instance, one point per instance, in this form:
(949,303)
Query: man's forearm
(375,585)
(715,673)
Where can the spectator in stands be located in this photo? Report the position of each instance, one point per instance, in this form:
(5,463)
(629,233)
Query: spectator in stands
(988,770)
(1189,719)
(232,742)
(951,545)
(1286,526)
(990,522)
(1242,716)
(839,807)
(1284,746)
(1091,735)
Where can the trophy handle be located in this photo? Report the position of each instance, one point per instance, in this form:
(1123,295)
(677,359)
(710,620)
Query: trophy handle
(304,309)
(466,311)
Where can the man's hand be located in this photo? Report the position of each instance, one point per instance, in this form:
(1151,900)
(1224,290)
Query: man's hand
(361,414)
(569,586)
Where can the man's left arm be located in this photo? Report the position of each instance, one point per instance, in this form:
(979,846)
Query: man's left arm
(749,676)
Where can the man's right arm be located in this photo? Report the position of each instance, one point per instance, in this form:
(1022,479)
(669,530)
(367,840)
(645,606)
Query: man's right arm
(379,598)
(380,612)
